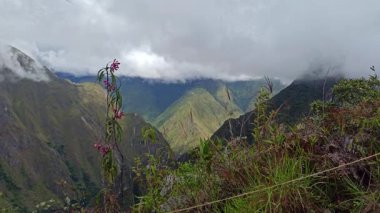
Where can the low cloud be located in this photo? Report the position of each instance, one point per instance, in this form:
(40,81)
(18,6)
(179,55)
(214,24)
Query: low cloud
(14,65)
(178,40)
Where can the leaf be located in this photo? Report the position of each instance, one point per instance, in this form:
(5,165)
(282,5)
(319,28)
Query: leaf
(119,99)
(113,78)
(118,132)
(149,134)
(100,75)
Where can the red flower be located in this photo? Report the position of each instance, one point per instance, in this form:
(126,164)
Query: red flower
(115,65)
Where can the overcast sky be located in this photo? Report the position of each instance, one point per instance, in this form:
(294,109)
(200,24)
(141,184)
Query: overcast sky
(178,39)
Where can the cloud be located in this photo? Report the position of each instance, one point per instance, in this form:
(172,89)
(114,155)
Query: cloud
(14,65)
(177,40)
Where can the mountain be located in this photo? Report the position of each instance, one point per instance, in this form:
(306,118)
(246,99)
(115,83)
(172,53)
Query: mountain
(294,103)
(47,130)
(150,98)
(169,106)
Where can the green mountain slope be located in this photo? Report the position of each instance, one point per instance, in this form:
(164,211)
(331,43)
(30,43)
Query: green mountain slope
(47,131)
(194,116)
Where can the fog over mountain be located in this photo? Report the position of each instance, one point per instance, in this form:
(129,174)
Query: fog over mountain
(178,40)
(14,65)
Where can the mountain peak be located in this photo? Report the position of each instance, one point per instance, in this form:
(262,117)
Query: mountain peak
(16,65)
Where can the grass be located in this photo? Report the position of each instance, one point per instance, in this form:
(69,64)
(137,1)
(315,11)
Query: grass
(341,134)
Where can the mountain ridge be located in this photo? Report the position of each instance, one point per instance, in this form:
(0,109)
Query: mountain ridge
(150,98)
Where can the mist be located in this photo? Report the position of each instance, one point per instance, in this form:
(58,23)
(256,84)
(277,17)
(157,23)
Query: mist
(181,40)
(14,66)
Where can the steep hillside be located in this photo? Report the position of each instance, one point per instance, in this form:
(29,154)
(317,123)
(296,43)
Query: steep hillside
(294,101)
(194,116)
(47,130)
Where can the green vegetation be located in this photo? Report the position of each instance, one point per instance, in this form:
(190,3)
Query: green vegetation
(196,115)
(277,171)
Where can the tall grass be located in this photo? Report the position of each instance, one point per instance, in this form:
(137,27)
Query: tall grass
(344,131)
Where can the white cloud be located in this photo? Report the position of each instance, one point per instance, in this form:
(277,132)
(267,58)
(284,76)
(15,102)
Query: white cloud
(14,66)
(145,63)
(173,39)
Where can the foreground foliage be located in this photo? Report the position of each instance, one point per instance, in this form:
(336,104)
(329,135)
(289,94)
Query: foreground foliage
(339,131)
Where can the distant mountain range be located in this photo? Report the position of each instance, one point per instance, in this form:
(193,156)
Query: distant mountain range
(186,111)
(48,127)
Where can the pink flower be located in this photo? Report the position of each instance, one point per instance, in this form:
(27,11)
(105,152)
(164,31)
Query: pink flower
(118,114)
(109,86)
(115,65)
(103,149)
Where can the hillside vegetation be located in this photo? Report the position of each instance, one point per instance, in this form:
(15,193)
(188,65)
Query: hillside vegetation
(289,167)
(193,117)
